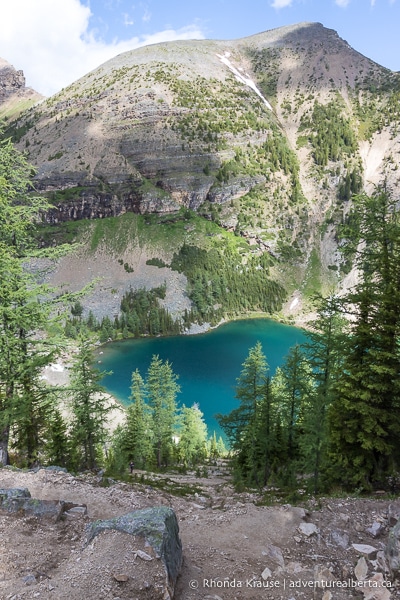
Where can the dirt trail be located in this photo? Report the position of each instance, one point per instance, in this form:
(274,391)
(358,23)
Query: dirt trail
(228,542)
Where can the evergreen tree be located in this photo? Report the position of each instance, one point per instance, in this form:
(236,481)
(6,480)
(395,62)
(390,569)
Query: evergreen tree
(31,417)
(162,389)
(25,306)
(365,415)
(241,425)
(57,447)
(89,407)
(324,352)
(266,439)
(292,386)
(137,435)
(192,436)
(213,447)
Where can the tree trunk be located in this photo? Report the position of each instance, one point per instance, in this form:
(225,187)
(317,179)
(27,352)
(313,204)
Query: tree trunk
(4,435)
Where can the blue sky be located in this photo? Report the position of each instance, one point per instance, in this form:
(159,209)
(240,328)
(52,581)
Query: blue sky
(56,41)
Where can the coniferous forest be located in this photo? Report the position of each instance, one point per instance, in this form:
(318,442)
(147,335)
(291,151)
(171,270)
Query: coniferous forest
(328,418)
(331,411)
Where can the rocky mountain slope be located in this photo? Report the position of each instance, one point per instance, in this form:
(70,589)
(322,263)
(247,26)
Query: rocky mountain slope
(234,548)
(268,136)
(15,97)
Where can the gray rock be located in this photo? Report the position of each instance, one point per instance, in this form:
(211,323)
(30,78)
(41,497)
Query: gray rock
(340,538)
(375,530)
(308,529)
(366,550)
(159,527)
(274,554)
(9,494)
(381,562)
(392,550)
(393,513)
(19,500)
(361,569)
(56,469)
(266,574)
(29,579)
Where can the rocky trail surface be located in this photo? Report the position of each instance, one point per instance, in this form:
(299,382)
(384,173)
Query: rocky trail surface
(233,548)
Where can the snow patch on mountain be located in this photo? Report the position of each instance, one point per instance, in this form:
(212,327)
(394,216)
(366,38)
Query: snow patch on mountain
(242,78)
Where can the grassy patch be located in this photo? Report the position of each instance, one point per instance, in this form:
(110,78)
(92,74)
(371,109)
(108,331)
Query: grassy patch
(168,485)
(312,280)
(63,233)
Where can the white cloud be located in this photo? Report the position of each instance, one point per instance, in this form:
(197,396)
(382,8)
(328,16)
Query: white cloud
(128,20)
(52,43)
(146,16)
(281,3)
(343,3)
(373,2)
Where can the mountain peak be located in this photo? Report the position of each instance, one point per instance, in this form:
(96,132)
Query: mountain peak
(14,95)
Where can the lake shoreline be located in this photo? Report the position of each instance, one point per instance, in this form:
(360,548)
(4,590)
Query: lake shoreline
(207,365)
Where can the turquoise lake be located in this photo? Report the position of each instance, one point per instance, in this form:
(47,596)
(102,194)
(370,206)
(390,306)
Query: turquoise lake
(207,364)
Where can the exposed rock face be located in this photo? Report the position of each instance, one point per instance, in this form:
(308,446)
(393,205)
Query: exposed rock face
(11,80)
(174,124)
(14,95)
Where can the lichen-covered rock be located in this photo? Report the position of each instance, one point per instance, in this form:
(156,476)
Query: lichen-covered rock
(159,527)
(19,501)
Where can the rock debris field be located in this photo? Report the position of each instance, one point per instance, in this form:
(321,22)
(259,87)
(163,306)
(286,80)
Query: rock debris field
(232,547)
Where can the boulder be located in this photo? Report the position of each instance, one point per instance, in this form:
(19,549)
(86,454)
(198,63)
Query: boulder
(19,501)
(159,528)
(393,513)
(392,550)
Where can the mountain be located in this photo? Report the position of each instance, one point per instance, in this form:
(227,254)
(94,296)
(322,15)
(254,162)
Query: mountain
(15,97)
(266,136)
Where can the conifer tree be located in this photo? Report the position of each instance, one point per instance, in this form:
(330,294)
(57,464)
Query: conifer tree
(162,389)
(292,386)
(137,434)
(25,306)
(192,436)
(324,352)
(89,407)
(241,425)
(266,439)
(365,416)
(213,446)
(57,447)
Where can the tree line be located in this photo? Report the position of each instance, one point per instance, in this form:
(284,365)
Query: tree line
(141,314)
(218,285)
